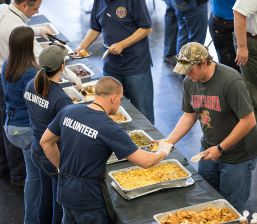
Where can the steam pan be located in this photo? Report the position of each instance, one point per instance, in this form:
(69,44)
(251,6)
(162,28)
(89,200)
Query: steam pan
(220,203)
(160,185)
(132,195)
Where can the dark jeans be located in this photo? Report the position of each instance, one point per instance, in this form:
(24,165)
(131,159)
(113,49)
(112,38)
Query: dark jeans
(95,216)
(49,210)
(11,157)
(222,35)
(170,31)
(138,88)
(249,70)
(192,25)
(184,22)
(5,1)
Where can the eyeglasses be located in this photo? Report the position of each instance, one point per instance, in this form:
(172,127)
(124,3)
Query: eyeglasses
(183,60)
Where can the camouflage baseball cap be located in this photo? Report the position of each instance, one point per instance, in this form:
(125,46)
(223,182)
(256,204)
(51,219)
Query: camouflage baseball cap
(190,54)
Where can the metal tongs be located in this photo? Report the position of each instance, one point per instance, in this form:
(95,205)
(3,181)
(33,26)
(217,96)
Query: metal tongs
(107,51)
(53,39)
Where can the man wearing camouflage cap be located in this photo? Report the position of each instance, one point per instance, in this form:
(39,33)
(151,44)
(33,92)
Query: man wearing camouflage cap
(217,96)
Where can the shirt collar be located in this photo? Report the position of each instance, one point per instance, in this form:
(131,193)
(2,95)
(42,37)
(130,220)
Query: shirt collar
(19,13)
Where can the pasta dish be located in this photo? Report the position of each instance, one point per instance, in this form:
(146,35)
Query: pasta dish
(139,177)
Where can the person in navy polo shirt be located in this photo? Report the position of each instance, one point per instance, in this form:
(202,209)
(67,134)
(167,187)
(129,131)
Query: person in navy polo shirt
(87,139)
(45,98)
(125,25)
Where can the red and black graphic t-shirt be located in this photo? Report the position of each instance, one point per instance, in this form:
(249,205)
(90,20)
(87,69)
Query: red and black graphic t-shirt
(220,103)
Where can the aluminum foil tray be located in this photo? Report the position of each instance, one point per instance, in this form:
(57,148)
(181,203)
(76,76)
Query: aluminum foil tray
(87,97)
(152,187)
(74,94)
(125,113)
(50,26)
(81,70)
(145,134)
(114,159)
(132,195)
(46,44)
(220,203)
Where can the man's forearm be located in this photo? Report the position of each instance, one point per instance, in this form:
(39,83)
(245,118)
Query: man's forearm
(183,126)
(52,153)
(48,143)
(240,29)
(90,37)
(243,127)
(146,159)
(138,35)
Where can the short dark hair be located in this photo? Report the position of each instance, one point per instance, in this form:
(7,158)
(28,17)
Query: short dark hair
(107,86)
(209,60)
(29,2)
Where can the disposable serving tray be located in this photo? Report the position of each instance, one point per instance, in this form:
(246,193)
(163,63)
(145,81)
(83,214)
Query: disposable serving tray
(89,98)
(159,186)
(132,195)
(145,134)
(73,93)
(125,113)
(220,203)
(46,44)
(114,159)
(50,26)
(77,66)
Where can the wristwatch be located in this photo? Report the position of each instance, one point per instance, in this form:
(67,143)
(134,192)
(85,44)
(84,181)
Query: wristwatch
(220,149)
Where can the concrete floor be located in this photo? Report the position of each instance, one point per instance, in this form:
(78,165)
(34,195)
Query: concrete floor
(71,19)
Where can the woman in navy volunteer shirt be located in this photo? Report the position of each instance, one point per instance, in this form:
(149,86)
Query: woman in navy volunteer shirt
(18,70)
(45,98)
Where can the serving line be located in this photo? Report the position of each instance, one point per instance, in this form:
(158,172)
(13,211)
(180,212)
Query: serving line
(141,210)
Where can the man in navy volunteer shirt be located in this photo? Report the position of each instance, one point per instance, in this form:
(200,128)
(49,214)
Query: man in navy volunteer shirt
(88,137)
(125,26)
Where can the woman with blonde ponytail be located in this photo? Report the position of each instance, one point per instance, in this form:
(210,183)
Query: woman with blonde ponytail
(45,98)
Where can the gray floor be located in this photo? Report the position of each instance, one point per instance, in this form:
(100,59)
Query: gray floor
(70,18)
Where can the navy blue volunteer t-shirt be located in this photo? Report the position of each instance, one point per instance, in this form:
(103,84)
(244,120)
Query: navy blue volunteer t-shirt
(42,111)
(117,20)
(87,138)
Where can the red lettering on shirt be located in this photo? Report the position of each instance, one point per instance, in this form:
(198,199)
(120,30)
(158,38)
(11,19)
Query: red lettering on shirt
(209,102)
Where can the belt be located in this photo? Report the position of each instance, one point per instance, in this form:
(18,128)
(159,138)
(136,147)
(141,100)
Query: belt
(252,36)
(223,21)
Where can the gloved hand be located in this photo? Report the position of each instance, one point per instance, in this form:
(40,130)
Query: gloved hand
(73,78)
(44,31)
(165,147)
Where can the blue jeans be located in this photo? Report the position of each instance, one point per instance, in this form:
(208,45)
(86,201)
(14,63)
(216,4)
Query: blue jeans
(192,22)
(138,88)
(22,138)
(170,31)
(50,211)
(11,157)
(233,181)
(95,216)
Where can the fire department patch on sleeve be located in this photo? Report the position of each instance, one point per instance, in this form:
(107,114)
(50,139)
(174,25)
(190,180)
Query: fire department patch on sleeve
(121,12)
